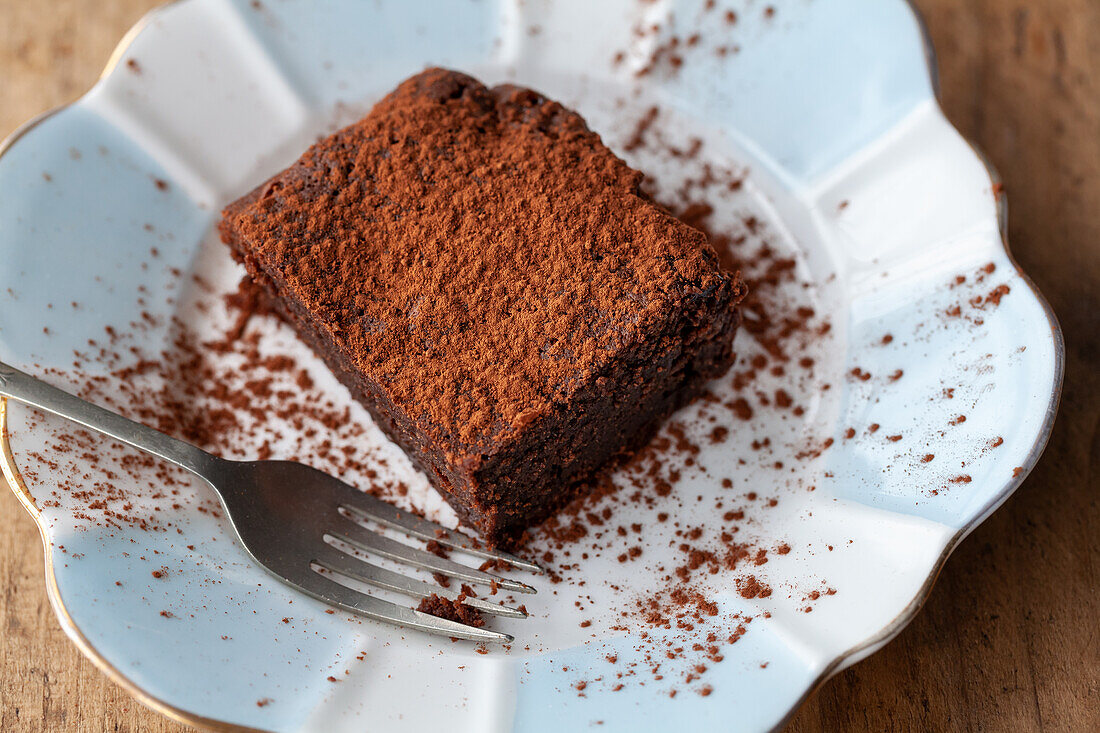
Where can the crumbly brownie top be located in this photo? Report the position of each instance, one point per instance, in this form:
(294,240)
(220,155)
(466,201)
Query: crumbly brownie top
(479,252)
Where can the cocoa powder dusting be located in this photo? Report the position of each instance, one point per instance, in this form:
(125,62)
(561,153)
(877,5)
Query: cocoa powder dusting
(462,327)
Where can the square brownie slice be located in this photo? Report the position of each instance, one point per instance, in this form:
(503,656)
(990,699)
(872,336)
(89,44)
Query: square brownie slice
(487,278)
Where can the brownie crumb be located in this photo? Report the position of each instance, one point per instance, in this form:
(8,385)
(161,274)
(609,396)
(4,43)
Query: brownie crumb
(437,549)
(455,610)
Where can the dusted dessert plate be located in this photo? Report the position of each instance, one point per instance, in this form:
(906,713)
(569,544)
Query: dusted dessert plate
(897,375)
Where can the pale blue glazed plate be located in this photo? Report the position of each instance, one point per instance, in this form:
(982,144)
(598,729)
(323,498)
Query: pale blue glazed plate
(827,108)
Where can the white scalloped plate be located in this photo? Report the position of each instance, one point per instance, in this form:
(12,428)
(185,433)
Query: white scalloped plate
(853,170)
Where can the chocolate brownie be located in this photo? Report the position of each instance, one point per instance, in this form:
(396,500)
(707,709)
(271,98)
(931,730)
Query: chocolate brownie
(488,279)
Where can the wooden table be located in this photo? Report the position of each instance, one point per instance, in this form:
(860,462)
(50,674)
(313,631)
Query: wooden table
(1010,639)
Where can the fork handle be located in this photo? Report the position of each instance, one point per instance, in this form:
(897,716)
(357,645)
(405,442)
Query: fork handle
(25,388)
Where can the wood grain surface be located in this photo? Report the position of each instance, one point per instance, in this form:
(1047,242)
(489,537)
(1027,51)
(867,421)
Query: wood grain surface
(1010,639)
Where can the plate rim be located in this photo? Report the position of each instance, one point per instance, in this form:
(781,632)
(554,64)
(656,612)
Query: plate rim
(852,655)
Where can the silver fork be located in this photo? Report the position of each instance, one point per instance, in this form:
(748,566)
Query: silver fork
(283,512)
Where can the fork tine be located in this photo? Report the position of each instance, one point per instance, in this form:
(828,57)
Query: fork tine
(353,567)
(389,515)
(329,591)
(368,541)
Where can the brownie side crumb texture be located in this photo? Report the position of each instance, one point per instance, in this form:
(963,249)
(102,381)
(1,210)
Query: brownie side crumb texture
(487,278)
